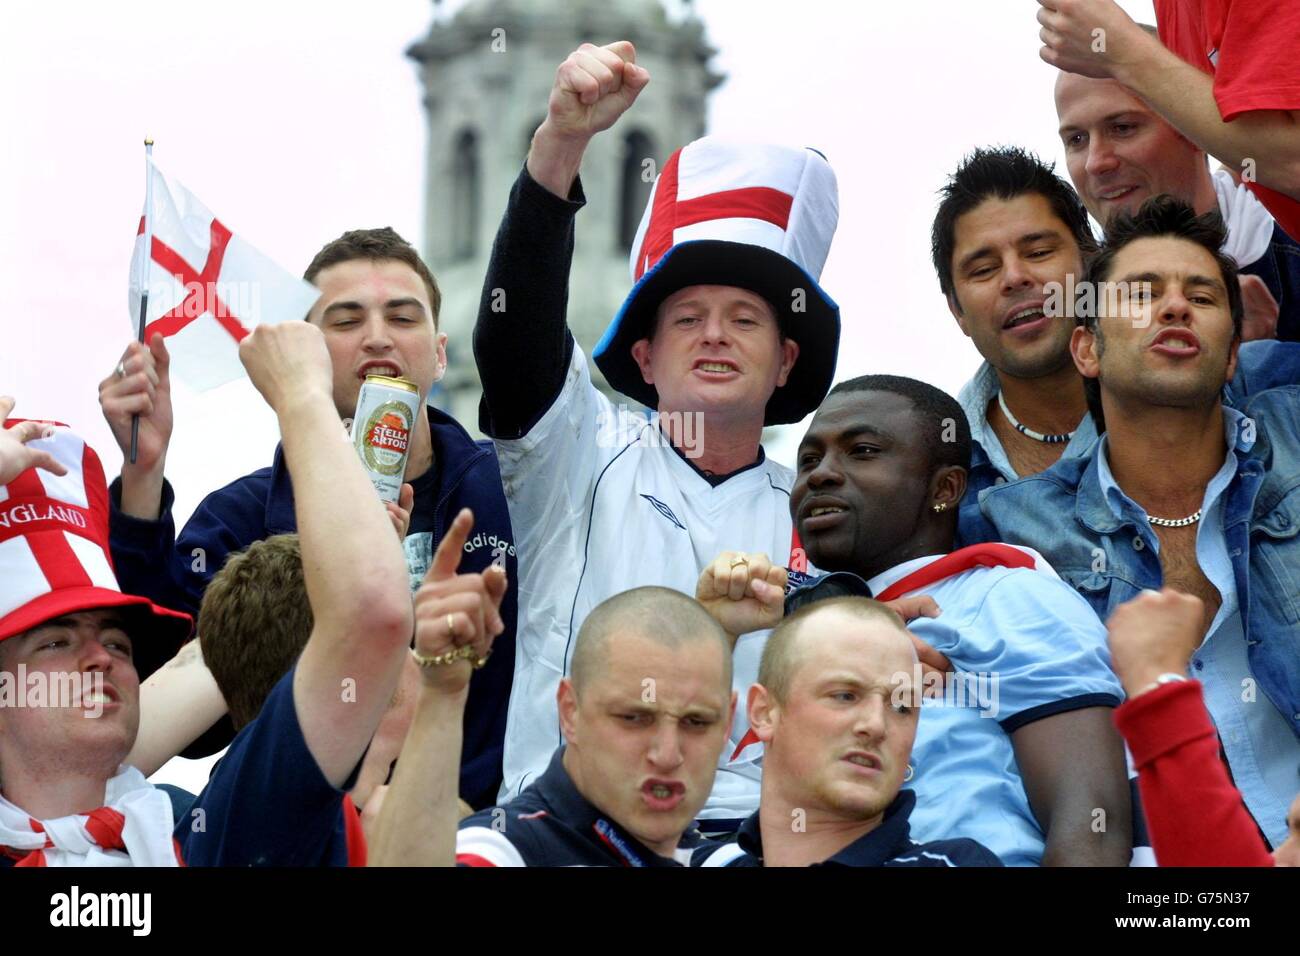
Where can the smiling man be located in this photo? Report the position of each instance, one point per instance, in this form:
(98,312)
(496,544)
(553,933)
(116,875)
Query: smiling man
(1120,153)
(1223,74)
(1184,490)
(379,311)
(725,330)
(1008,231)
(836,707)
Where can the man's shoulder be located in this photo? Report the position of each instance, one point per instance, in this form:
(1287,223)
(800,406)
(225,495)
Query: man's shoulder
(1065,475)
(264,739)
(782,476)
(470,470)
(524,831)
(267,777)
(716,853)
(1275,408)
(241,502)
(452,441)
(946,853)
(1043,491)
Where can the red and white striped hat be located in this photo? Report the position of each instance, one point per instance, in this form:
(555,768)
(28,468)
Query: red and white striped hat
(54,554)
(755,216)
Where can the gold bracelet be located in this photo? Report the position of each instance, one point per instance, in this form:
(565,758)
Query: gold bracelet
(465,653)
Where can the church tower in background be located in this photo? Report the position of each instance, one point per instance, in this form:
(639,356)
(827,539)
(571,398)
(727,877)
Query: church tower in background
(486,73)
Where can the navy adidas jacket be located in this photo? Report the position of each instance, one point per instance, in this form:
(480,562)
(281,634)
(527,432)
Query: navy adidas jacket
(152,561)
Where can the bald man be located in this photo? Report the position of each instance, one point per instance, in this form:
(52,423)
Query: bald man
(836,707)
(1120,152)
(644,716)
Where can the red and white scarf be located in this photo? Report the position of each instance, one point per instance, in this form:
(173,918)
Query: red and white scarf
(133,828)
(988,555)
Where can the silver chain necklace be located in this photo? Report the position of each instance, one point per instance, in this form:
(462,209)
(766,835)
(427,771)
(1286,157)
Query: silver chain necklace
(1176,522)
(1029,432)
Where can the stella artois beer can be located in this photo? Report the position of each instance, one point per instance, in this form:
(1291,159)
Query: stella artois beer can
(387,410)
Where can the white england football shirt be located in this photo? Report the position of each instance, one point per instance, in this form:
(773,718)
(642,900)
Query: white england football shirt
(600,503)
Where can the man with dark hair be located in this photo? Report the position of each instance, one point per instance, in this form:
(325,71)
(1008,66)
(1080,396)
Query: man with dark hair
(644,712)
(836,709)
(1120,152)
(379,313)
(1008,232)
(1160,216)
(1009,243)
(1184,490)
(879,475)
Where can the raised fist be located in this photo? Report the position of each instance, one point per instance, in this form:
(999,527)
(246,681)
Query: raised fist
(287,359)
(1155,633)
(743,592)
(593,87)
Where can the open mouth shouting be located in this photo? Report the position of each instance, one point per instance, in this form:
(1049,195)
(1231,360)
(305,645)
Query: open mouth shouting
(1177,343)
(663,795)
(716,369)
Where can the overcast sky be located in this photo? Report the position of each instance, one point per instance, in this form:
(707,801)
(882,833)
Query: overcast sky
(293,121)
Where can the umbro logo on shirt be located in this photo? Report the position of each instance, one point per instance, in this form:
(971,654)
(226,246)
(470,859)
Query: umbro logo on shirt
(664,510)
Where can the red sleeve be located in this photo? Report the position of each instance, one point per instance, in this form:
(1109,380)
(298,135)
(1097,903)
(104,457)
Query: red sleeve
(1256,64)
(1250,47)
(1195,816)
(352,832)
(1258,67)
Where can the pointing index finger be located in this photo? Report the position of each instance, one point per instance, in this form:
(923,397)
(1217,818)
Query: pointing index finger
(446,560)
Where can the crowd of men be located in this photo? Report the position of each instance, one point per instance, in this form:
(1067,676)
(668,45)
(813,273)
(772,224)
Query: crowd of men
(1054,620)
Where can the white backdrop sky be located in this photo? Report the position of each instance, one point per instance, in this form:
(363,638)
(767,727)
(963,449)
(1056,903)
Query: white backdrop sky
(294,121)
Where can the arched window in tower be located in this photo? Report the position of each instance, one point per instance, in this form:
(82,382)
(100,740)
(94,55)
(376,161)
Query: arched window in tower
(635,182)
(465,196)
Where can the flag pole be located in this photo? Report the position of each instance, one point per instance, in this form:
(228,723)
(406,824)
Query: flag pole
(144,279)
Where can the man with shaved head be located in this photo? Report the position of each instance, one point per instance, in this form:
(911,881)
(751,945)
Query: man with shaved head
(836,707)
(1120,152)
(644,715)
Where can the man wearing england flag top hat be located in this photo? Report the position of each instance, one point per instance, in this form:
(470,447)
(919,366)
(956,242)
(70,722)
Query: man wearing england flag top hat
(725,330)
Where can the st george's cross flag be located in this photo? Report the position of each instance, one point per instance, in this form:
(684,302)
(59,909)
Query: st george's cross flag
(208,288)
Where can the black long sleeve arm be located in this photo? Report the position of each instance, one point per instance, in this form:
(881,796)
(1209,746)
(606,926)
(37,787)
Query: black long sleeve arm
(522,343)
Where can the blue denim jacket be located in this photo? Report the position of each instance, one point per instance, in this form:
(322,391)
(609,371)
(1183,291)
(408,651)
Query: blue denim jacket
(1063,514)
(1260,365)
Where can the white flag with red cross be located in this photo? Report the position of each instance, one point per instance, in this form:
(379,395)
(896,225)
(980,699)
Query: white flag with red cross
(208,288)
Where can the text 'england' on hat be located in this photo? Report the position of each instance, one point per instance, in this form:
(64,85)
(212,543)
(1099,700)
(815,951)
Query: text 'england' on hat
(54,553)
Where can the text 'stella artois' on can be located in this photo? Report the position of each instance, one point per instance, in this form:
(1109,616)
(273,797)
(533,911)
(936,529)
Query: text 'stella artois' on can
(387,410)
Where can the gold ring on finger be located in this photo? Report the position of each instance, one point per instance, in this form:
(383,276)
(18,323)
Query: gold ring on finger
(738,561)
